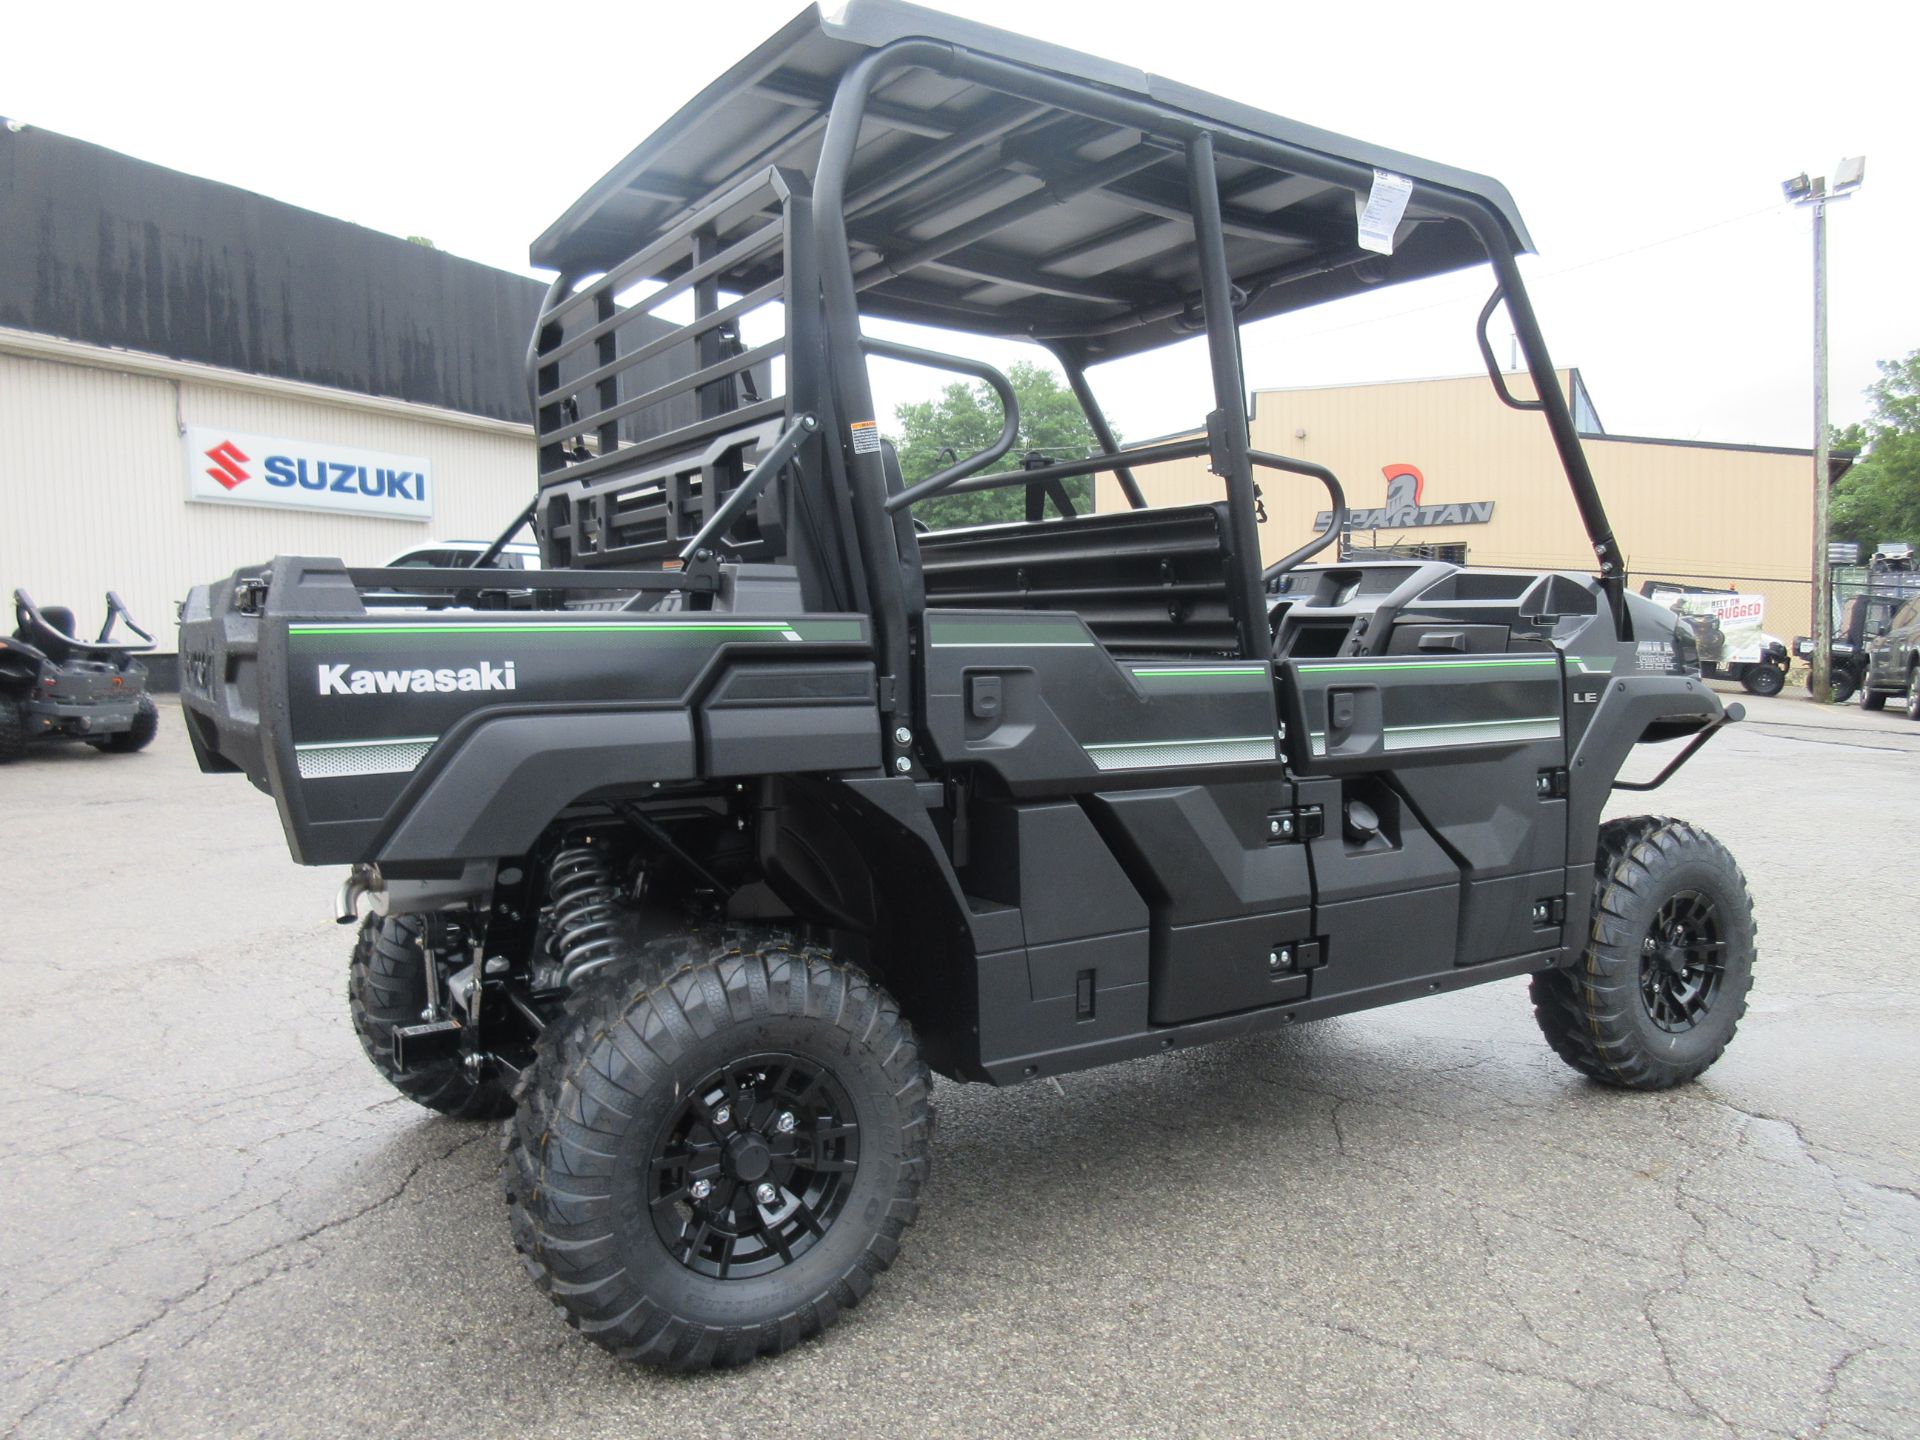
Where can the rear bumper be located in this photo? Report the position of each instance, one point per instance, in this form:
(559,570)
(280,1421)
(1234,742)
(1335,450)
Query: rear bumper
(79,717)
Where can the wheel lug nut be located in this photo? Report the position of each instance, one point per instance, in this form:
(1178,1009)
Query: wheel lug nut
(723,1115)
(700,1189)
(765,1193)
(785,1123)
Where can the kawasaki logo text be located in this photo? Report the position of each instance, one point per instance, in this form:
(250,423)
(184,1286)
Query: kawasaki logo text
(339,680)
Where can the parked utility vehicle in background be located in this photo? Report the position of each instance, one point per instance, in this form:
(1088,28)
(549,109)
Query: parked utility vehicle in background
(1892,669)
(1726,631)
(773,804)
(54,686)
(1860,617)
(1865,597)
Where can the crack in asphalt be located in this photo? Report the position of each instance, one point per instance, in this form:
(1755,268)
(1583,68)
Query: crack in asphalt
(172,1305)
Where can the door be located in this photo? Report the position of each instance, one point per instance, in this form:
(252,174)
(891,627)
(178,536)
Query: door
(1443,784)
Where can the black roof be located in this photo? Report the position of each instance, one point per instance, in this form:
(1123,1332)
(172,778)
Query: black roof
(1111,264)
(99,247)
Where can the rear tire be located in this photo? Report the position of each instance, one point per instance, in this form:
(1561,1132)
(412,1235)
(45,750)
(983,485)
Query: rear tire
(1763,679)
(1661,989)
(1842,687)
(717,1149)
(1913,693)
(387,988)
(13,730)
(146,724)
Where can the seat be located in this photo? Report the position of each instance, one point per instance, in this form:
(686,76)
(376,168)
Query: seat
(51,634)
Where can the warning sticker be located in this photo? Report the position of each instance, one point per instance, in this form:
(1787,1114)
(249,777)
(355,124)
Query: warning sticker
(1380,216)
(866,436)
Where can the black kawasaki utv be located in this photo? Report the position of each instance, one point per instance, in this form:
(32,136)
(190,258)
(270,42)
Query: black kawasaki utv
(56,687)
(772,804)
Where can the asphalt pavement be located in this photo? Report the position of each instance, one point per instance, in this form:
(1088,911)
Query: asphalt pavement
(1414,1222)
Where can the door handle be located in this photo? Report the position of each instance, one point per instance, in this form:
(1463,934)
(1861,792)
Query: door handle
(1451,640)
(1340,710)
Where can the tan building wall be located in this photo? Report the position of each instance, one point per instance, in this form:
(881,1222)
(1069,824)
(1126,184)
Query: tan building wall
(93,477)
(1737,517)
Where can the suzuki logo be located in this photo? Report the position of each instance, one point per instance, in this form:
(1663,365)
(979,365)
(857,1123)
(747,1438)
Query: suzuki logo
(227,459)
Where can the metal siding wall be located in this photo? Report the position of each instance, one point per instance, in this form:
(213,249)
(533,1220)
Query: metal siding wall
(93,486)
(1742,518)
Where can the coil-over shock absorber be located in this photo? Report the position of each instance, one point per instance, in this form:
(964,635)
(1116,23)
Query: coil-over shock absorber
(582,891)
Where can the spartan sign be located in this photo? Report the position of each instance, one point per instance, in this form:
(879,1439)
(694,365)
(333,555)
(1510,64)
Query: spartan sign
(1403,510)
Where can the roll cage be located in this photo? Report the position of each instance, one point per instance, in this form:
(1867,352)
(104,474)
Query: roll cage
(906,165)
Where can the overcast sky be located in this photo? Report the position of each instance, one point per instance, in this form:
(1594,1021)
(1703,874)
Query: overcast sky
(1644,144)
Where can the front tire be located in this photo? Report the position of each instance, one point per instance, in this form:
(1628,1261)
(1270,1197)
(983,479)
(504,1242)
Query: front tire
(1913,693)
(1661,989)
(1869,698)
(1764,679)
(717,1149)
(13,730)
(387,988)
(1843,687)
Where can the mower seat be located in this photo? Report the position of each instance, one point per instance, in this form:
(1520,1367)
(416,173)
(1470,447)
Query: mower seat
(51,635)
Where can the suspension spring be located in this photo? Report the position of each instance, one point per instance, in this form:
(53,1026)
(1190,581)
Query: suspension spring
(581,889)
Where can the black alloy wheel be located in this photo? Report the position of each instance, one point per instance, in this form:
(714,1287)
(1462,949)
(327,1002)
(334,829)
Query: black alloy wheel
(1682,962)
(718,1147)
(1668,965)
(754,1167)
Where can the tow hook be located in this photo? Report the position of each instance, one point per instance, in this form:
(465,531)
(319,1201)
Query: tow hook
(361,880)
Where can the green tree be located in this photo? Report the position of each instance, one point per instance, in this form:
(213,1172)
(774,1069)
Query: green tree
(1879,498)
(965,419)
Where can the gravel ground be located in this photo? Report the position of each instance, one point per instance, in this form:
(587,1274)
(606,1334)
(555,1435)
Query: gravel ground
(1413,1222)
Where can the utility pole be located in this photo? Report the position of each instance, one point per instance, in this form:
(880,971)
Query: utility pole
(1802,191)
(1821,683)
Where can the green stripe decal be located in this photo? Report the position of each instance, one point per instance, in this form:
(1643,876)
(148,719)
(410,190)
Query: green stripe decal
(551,627)
(709,631)
(1376,666)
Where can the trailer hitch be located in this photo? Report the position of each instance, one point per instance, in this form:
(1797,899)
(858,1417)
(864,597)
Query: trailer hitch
(1732,715)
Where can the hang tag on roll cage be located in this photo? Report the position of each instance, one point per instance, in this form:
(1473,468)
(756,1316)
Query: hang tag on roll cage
(1381,215)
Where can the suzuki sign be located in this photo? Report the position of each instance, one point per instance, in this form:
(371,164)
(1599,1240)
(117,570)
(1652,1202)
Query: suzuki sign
(230,467)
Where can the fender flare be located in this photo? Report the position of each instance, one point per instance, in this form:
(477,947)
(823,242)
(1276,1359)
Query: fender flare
(1643,709)
(510,774)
